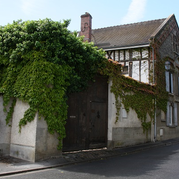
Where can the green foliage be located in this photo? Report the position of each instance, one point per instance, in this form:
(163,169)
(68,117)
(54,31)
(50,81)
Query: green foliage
(10,112)
(41,62)
(136,95)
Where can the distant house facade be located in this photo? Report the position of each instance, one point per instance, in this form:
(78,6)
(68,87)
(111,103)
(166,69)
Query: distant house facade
(137,47)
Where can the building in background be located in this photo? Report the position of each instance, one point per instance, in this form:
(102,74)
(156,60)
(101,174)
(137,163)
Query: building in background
(137,47)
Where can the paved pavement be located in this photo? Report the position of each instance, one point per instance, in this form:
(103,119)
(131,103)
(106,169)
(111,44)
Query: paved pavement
(10,165)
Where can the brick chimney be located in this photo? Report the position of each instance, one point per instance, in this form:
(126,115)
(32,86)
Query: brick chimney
(86,26)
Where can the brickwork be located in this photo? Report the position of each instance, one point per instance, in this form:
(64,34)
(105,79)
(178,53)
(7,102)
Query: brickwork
(86,26)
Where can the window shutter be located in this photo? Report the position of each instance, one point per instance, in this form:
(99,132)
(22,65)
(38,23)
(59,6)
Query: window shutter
(167,81)
(175,115)
(168,114)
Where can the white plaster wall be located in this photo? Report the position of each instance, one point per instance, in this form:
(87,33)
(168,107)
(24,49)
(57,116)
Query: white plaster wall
(5,131)
(127,130)
(27,136)
(130,121)
(46,143)
(34,142)
(23,143)
(111,111)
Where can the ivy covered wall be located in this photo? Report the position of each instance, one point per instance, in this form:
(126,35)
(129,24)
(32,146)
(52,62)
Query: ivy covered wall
(41,62)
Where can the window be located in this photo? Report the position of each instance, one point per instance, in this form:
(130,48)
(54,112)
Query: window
(169,77)
(172,118)
(175,43)
(145,53)
(125,69)
(116,56)
(136,54)
(127,55)
(121,55)
(124,113)
(124,55)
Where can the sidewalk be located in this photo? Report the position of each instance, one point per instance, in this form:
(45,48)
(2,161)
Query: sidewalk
(10,165)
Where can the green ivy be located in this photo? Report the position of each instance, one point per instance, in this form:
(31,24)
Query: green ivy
(41,63)
(136,95)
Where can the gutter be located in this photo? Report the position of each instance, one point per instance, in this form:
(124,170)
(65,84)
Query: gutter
(122,48)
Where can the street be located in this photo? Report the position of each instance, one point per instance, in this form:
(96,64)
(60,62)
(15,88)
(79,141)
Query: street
(155,163)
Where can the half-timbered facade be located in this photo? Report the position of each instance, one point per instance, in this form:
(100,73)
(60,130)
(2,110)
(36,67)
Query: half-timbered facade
(135,62)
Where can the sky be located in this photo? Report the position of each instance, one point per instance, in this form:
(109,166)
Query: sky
(105,13)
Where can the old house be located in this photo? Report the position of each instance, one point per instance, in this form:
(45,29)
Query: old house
(137,47)
(92,113)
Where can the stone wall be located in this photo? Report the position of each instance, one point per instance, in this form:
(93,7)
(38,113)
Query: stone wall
(33,142)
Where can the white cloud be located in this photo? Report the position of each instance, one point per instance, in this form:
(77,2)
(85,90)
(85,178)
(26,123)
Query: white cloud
(135,12)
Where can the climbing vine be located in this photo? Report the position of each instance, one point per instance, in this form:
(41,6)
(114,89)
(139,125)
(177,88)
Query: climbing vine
(136,95)
(41,63)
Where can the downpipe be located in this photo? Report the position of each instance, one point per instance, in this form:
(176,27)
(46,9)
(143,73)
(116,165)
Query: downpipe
(155,124)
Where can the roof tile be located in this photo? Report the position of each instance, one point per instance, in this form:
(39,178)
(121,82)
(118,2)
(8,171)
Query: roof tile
(125,35)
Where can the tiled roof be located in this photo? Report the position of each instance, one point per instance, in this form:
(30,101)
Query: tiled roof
(126,35)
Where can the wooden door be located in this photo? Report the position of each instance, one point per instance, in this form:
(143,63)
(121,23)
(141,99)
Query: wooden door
(87,117)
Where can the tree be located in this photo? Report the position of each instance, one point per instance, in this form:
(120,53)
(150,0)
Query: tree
(41,62)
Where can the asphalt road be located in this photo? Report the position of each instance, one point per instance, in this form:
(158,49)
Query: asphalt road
(155,163)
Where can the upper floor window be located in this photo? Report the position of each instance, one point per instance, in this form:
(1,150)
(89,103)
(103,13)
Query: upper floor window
(122,56)
(128,54)
(175,42)
(145,53)
(136,54)
(169,77)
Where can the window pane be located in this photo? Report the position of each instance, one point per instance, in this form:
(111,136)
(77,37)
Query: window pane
(136,54)
(121,55)
(171,83)
(145,53)
(171,115)
(116,55)
(127,54)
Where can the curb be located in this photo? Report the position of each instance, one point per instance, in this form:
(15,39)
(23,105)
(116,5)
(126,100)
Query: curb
(111,153)
(32,169)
